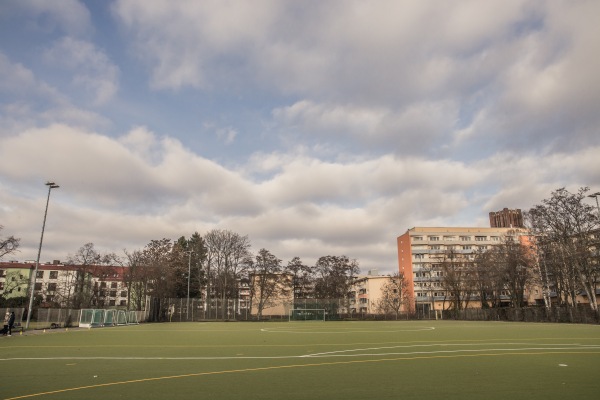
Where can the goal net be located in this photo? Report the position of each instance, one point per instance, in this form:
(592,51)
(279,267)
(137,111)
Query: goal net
(307,314)
(90,318)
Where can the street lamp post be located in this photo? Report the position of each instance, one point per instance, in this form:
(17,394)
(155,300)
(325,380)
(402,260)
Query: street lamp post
(51,185)
(595,195)
(187,306)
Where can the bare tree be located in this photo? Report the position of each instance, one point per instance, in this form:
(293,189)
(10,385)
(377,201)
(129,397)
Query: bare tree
(302,278)
(8,245)
(488,279)
(394,295)
(566,229)
(136,278)
(157,259)
(268,283)
(510,269)
(87,263)
(334,275)
(458,279)
(227,254)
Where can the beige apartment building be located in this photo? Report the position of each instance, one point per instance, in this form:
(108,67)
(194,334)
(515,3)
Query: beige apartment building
(366,292)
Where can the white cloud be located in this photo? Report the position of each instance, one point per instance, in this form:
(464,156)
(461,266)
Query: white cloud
(348,122)
(227,135)
(92,69)
(127,191)
(70,17)
(32,102)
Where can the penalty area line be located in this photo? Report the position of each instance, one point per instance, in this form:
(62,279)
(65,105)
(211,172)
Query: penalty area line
(160,378)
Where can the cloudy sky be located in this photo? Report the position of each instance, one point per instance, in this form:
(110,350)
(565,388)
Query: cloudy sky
(314,127)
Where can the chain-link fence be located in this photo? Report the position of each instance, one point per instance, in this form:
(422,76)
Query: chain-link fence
(180,310)
(581,314)
(52,318)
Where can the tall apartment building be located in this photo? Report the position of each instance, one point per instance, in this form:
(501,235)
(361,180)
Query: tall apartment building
(507,219)
(421,251)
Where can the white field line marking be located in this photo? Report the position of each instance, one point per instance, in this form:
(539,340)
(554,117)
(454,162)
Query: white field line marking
(344,353)
(544,347)
(342,331)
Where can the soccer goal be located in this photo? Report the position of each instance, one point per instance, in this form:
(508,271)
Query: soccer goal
(132,318)
(90,318)
(307,314)
(110,317)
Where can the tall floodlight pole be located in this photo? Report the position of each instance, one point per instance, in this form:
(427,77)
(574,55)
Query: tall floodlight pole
(51,185)
(595,195)
(187,306)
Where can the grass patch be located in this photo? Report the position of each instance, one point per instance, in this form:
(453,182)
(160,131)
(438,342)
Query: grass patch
(302,360)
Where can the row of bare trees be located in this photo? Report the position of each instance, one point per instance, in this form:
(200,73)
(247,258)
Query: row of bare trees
(492,277)
(567,234)
(213,266)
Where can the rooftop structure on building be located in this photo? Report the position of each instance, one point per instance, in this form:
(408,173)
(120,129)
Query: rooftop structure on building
(507,219)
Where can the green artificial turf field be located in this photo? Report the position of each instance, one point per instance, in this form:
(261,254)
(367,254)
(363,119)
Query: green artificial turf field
(306,360)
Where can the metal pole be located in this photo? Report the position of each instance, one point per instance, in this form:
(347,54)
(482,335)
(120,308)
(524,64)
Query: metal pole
(595,195)
(51,185)
(187,306)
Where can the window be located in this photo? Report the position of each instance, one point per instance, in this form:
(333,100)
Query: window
(480,238)
(113,293)
(2,273)
(49,298)
(417,237)
(102,284)
(53,274)
(465,238)
(124,293)
(449,237)
(38,286)
(434,238)
(1,285)
(113,285)
(40,274)
(111,303)
(495,238)
(435,247)
(419,256)
(123,303)
(52,287)
(466,247)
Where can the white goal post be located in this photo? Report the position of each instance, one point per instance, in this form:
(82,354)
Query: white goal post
(307,314)
(93,318)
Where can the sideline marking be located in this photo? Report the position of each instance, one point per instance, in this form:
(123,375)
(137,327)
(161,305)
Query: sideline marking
(338,353)
(278,367)
(341,330)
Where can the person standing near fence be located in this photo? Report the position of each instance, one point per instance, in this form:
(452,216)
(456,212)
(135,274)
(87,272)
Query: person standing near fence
(6,318)
(11,322)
